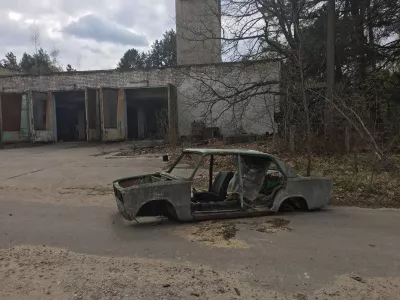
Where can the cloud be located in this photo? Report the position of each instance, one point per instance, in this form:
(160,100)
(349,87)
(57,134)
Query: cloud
(94,27)
(95,50)
(97,40)
(13,33)
(161,14)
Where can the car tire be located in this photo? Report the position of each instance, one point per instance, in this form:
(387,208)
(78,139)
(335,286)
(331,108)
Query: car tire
(171,213)
(287,207)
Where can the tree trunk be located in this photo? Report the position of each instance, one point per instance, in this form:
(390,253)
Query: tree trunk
(330,64)
(306,111)
(357,12)
(371,36)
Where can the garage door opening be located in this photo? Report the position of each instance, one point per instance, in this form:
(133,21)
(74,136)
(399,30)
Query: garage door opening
(147,113)
(15,118)
(11,111)
(70,116)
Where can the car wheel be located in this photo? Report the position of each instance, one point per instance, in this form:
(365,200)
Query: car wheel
(171,213)
(287,207)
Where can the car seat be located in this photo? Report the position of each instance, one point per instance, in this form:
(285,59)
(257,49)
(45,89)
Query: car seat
(218,191)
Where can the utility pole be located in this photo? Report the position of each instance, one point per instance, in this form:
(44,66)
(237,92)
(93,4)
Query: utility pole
(330,60)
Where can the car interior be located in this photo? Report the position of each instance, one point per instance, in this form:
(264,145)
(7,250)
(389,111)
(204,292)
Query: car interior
(218,191)
(219,197)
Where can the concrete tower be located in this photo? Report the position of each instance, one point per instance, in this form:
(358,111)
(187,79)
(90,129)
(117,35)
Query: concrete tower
(198,31)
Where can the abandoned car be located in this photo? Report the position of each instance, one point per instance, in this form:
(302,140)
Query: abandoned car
(251,183)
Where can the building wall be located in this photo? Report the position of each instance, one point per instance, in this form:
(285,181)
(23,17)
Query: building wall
(195,87)
(198,31)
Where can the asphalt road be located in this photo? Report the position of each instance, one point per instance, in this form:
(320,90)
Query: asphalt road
(321,245)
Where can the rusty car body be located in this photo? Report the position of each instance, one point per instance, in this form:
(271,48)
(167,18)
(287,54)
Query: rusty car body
(260,184)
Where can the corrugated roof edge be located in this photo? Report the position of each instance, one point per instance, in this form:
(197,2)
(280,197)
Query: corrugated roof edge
(244,63)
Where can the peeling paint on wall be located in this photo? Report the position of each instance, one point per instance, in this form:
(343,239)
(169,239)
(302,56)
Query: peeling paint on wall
(113,114)
(11,136)
(42,117)
(24,131)
(92,115)
(43,136)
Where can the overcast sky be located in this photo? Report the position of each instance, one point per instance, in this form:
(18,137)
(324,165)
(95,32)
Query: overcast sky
(90,34)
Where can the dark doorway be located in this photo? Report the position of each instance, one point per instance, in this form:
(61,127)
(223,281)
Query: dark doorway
(147,113)
(132,113)
(71,116)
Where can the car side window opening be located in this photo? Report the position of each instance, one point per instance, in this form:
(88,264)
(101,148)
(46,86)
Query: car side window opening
(253,170)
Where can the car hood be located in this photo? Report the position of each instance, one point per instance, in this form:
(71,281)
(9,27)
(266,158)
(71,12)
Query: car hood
(153,179)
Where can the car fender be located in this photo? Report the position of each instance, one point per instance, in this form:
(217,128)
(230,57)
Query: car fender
(161,202)
(316,192)
(281,196)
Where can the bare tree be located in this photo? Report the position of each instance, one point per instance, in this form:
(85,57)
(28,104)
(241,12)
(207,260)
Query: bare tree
(55,57)
(35,39)
(253,30)
(235,95)
(78,61)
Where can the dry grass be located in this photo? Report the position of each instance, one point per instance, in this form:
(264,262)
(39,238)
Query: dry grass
(374,185)
(272,226)
(222,233)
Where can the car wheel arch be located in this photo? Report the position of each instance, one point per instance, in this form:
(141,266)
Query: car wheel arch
(158,207)
(297,201)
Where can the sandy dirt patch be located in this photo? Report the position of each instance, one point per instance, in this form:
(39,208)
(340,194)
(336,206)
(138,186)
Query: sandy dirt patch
(47,273)
(358,288)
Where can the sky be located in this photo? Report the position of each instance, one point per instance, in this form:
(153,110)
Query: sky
(89,34)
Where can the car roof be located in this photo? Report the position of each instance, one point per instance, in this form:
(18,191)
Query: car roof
(284,168)
(206,151)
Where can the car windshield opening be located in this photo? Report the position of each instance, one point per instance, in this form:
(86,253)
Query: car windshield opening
(186,165)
